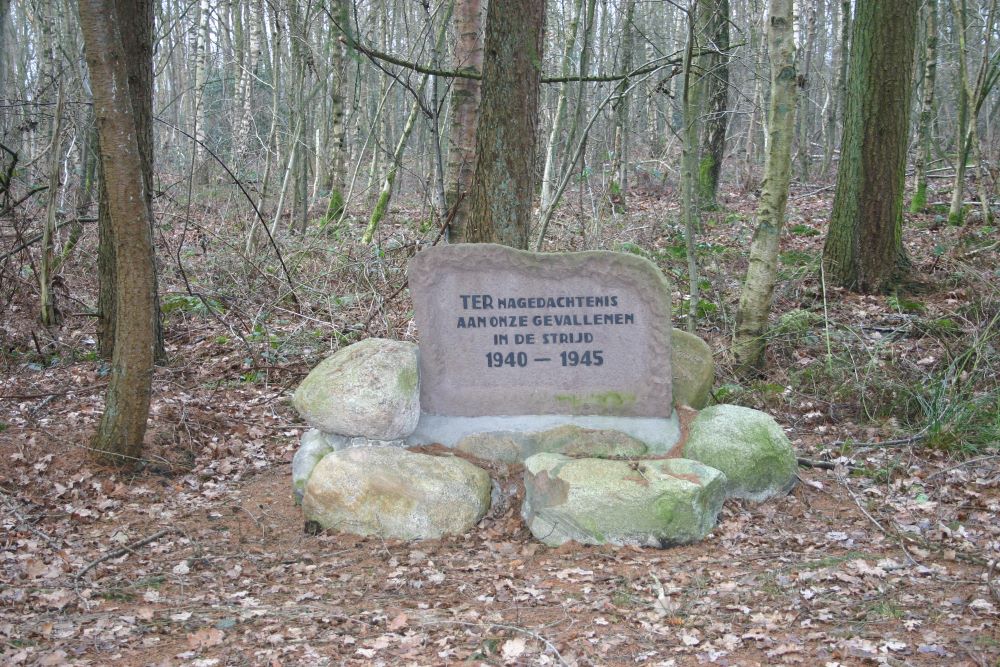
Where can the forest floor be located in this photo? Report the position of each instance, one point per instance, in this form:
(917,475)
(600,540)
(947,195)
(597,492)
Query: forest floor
(881,555)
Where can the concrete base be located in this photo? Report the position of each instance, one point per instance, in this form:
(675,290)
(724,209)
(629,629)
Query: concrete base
(659,433)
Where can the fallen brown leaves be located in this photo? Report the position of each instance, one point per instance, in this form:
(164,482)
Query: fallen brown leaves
(199,557)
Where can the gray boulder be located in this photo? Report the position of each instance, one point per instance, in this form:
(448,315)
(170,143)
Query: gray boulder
(315,445)
(571,440)
(395,493)
(651,502)
(747,445)
(370,389)
(693,369)
(589,443)
(312,448)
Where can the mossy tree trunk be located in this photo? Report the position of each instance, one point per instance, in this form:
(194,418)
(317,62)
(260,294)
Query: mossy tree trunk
(864,248)
(714,96)
(504,185)
(758,288)
(104,26)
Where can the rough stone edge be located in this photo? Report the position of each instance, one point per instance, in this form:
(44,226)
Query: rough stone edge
(422,279)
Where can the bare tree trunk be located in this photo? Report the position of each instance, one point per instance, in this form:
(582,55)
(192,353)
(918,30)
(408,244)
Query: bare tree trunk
(464,112)
(919,201)
(123,424)
(503,186)
(689,167)
(49,313)
(758,287)
(713,96)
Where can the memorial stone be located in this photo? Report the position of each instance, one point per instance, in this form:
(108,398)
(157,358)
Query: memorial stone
(509,332)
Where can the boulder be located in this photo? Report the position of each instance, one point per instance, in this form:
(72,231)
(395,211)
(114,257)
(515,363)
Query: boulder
(747,445)
(312,448)
(395,493)
(571,440)
(315,445)
(693,369)
(504,446)
(649,502)
(588,443)
(370,389)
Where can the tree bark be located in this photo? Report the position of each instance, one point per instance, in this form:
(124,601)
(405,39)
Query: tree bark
(926,127)
(464,111)
(758,288)
(503,186)
(123,424)
(136,25)
(864,249)
(558,120)
(714,97)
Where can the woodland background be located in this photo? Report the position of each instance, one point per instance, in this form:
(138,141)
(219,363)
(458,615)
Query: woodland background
(301,152)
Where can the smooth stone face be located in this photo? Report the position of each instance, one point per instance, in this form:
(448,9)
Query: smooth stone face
(694,369)
(394,493)
(747,445)
(509,332)
(659,434)
(370,389)
(651,502)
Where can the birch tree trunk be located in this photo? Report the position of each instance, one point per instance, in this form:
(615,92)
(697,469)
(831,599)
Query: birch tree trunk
(926,126)
(758,287)
(549,170)
(200,79)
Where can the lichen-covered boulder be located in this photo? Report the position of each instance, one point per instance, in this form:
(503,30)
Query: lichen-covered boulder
(315,444)
(504,446)
(395,493)
(651,502)
(693,369)
(588,443)
(312,448)
(370,389)
(747,445)
(569,439)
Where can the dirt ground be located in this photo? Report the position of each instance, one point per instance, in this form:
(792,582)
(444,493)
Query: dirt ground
(882,555)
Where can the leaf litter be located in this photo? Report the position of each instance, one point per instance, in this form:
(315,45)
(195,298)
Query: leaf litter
(885,559)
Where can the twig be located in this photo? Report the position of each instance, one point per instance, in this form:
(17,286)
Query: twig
(27,524)
(963,464)
(73,390)
(912,440)
(989,581)
(972,253)
(897,537)
(514,628)
(824,465)
(123,550)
